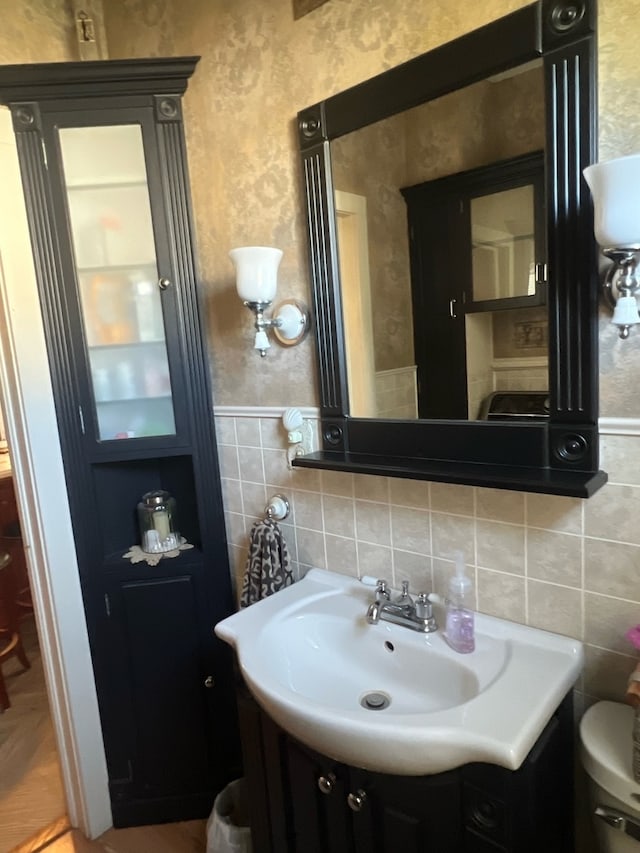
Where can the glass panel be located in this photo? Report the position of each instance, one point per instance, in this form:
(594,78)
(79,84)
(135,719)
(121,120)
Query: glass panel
(112,235)
(502,237)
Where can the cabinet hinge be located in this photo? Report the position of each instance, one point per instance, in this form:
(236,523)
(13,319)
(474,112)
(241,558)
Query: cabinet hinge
(81,416)
(107,604)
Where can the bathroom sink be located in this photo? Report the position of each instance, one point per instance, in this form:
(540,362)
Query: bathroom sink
(389,699)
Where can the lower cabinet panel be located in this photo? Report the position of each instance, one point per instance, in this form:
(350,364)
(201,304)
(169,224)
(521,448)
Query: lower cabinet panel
(164,651)
(168,719)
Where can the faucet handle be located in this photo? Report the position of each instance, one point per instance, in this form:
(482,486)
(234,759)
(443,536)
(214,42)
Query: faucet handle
(424,608)
(382,591)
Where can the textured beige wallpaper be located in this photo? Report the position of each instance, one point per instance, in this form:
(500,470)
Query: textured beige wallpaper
(371,162)
(476,126)
(36,31)
(259,67)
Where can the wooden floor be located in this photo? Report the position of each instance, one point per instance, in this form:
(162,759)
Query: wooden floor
(189,837)
(32,806)
(31,792)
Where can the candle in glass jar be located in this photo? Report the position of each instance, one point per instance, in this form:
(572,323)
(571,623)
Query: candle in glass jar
(157,518)
(161,523)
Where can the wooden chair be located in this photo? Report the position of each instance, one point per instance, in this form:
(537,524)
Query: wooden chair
(11,541)
(10,639)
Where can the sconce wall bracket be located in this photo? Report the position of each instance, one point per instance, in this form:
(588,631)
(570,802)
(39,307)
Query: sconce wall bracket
(621,286)
(289,323)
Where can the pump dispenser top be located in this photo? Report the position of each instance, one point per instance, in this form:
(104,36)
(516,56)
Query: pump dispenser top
(459,629)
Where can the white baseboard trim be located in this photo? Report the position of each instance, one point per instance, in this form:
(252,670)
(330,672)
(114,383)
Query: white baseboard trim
(619,426)
(398,371)
(606,426)
(526,363)
(263,411)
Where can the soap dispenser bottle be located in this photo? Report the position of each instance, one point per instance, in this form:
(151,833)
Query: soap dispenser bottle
(459,630)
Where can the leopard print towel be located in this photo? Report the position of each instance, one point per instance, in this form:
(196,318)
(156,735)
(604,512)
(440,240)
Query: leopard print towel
(268,564)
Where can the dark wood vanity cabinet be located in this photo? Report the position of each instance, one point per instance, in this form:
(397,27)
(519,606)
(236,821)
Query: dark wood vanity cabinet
(303,802)
(102,156)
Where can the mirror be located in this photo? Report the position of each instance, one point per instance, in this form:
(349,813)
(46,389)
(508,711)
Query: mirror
(449,153)
(359,227)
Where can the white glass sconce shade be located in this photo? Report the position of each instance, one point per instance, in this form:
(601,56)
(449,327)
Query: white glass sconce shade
(256,272)
(615,187)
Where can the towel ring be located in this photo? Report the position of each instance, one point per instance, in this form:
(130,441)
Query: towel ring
(277,509)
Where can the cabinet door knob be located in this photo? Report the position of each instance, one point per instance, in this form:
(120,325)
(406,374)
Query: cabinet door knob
(163,283)
(209,682)
(357,800)
(326,783)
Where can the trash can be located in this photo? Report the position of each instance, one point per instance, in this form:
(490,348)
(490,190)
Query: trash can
(228,825)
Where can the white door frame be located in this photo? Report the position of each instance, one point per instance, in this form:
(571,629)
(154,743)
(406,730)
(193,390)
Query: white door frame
(355,280)
(32,434)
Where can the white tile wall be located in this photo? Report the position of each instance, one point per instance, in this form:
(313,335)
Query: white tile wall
(396,393)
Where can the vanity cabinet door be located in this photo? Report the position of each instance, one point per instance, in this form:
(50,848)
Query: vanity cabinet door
(340,809)
(411,814)
(321,820)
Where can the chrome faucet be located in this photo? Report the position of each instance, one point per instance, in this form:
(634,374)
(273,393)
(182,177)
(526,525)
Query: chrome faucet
(403,610)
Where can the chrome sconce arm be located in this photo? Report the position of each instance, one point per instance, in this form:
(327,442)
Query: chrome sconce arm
(621,287)
(289,324)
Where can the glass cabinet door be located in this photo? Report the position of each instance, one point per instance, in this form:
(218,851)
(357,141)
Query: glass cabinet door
(112,238)
(503,244)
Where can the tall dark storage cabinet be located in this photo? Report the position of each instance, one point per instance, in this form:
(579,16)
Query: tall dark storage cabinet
(102,155)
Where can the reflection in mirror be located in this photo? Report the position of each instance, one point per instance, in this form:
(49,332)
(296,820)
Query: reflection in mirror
(494,120)
(503,245)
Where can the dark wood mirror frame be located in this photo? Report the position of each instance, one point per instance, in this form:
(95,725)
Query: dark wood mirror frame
(558,456)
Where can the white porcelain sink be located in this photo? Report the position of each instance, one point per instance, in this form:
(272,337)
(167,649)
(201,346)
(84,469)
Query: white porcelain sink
(309,657)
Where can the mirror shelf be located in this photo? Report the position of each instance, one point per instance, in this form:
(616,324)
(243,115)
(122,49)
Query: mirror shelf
(575,484)
(557,454)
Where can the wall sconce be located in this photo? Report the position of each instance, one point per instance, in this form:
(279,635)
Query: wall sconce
(615,187)
(257,281)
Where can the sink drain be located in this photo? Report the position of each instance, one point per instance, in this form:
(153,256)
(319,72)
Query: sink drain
(375,701)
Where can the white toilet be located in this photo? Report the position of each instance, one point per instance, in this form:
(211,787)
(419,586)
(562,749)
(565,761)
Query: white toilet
(605,734)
